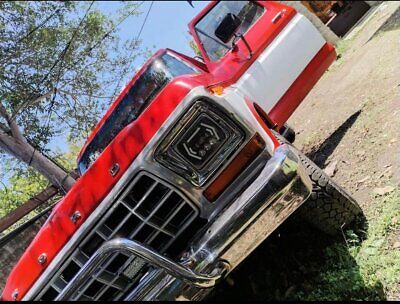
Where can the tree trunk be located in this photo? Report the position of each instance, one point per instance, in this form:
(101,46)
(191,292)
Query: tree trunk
(23,151)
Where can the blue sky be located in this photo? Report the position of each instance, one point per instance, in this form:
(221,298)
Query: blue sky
(166,27)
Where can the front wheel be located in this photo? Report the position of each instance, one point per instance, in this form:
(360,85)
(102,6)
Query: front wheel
(288,133)
(329,208)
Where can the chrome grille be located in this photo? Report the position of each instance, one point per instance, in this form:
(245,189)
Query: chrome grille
(148,211)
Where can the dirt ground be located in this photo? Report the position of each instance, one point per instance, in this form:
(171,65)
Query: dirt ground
(352,116)
(349,125)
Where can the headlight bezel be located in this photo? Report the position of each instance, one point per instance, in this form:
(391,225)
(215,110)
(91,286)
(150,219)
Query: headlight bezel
(169,156)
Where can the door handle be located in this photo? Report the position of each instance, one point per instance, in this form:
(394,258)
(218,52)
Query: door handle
(278,16)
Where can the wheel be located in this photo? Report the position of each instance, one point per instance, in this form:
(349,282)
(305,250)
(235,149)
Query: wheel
(288,133)
(329,208)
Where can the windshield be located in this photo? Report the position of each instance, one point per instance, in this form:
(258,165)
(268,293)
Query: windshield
(248,12)
(160,72)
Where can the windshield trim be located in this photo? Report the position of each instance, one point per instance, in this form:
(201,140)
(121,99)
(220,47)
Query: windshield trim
(187,62)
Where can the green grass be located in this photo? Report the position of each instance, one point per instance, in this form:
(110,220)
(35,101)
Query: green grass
(342,46)
(362,270)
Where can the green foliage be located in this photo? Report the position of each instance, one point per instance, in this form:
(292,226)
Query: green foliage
(24,182)
(363,269)
(300,263)
(22,186)
(68,159)
(61,47)
(195,48)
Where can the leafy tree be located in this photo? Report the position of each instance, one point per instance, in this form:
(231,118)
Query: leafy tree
(21,188)
(195,48)
(25,182)
(59,63)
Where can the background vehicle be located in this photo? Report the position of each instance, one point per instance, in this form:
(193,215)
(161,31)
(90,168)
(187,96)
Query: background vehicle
(187,173)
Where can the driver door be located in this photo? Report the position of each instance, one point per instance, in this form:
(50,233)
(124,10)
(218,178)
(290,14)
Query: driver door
(261,22)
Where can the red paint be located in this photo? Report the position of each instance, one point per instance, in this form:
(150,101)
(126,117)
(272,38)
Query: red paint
(118,100)
(96,183)
(130,84)
(289,102)
(228,69)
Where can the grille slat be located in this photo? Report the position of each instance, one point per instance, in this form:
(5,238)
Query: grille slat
(105,231)
(80,258)
(172,217)
(112,280)
(119,226)
(166,222)
(59,284)
(146,195)
(148,211)
(154,222)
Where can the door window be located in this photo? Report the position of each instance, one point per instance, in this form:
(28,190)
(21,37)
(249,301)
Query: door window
(247,11)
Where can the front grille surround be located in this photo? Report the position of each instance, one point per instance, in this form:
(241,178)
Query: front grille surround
(145,161)
(149,211)
(220,121)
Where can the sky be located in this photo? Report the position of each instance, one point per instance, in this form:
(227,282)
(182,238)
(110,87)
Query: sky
(165,27)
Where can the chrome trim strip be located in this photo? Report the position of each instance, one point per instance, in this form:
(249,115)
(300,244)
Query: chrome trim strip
(275,180)
(136,249)
(135,167)
(132,212)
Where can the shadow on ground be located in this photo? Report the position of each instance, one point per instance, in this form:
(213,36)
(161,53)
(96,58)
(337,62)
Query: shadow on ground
(298,262)
(393,23)
(320,154)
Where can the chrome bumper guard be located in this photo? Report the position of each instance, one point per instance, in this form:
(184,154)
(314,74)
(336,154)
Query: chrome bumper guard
(281,187)
(120,245)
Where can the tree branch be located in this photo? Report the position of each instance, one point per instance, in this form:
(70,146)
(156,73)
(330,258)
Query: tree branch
(14,128)
(4,128)
(74,95)
(32,102)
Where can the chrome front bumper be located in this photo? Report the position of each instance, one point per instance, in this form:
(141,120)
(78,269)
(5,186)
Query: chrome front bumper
(280,188)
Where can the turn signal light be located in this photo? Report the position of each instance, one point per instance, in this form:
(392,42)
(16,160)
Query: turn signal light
(250,151)
(219,90)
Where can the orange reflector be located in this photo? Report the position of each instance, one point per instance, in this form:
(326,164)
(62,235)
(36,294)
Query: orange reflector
(217,90)
(250,151)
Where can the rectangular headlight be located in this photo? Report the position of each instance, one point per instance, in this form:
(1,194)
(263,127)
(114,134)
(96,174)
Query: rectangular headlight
(200,143)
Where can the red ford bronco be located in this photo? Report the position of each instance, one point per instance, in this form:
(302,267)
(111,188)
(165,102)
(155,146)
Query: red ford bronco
(191,168)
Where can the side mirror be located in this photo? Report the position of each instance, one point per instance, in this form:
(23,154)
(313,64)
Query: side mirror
(227,28)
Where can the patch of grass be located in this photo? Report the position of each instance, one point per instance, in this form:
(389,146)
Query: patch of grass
(362,270)
(342,46)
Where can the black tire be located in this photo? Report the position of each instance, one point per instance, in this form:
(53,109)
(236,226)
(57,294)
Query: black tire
(288,133)
(329,208)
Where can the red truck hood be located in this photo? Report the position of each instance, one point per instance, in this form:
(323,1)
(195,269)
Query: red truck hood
(94,185)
